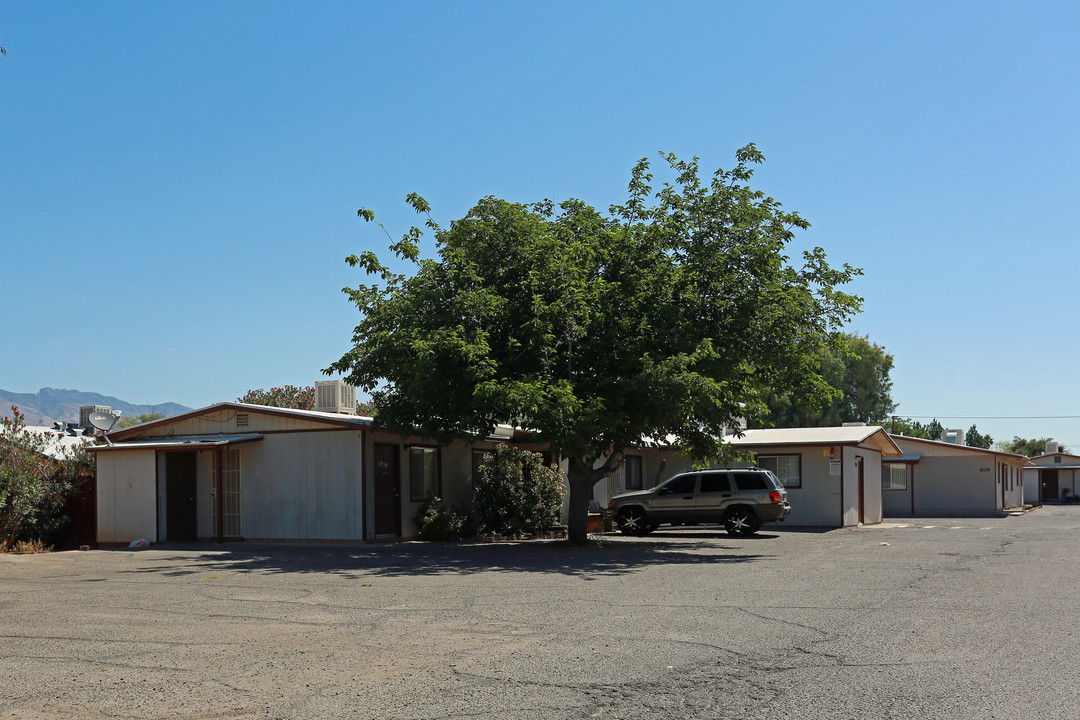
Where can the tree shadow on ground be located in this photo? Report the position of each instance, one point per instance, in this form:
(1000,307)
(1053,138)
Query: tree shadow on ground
(401,559)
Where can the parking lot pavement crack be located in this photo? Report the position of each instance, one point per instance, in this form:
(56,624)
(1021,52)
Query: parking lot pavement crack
(792,623)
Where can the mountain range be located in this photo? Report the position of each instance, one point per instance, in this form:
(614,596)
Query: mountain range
(49,405)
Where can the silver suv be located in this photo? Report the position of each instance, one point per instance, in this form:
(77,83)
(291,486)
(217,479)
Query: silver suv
(743,499)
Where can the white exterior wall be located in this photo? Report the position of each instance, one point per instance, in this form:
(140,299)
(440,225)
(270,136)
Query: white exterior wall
(301,486)
(953,481)
(956,485)
(817,502)
(1011,476)
(871,490)
(1031,485)
(126,496)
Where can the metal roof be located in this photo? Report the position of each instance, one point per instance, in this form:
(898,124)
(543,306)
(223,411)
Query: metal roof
(870,436)
(190,442)
(904,439)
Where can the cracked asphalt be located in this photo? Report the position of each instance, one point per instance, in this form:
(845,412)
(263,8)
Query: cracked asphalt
(928,618)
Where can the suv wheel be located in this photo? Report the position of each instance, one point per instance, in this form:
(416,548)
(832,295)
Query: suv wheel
(632,521)
(740,521)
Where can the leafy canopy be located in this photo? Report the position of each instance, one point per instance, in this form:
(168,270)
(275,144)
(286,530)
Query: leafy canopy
(675,313)
(859,375)
(1029,447)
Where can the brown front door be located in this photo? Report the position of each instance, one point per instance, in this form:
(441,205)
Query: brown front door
(1049,484)
(387,489)
(180,496)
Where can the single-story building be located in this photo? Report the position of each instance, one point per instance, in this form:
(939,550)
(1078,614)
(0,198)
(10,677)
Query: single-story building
(832,474)
(234,470)
(936,478)
(1051,477)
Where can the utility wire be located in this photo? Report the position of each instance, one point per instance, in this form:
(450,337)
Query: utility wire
(988,417)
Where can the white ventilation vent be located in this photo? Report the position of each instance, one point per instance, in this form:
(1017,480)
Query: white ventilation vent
(853,424)
(241,419)
(336,396)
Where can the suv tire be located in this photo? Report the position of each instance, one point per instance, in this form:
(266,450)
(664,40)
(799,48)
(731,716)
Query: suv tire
(740,521)
(632,521)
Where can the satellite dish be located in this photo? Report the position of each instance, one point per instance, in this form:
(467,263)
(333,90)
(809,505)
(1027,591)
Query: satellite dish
(103,421)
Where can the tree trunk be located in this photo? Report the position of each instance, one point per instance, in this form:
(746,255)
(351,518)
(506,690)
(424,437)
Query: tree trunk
(581,476)
(577,521)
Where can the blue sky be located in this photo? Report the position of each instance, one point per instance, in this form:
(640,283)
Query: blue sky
(180,181)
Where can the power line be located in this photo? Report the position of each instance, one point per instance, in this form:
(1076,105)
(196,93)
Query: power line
(988,417)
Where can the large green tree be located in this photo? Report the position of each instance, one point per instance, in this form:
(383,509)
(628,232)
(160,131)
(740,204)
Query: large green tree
(673,314)
(859,375)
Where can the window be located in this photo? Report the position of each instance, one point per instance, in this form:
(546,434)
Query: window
(750,481)
(682,485)
(715,482)
(423,473)
(786,468)
(632,473)
(895,476)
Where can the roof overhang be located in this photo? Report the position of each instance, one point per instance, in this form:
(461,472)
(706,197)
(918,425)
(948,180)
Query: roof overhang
(870,437)
(181,442)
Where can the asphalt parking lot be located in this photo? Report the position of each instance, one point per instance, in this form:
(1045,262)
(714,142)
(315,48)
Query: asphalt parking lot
(946,618)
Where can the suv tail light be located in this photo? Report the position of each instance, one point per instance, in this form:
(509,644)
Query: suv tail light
(776,497)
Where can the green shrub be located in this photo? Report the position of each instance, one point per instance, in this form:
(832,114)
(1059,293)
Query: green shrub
(36,480)
(439,522)
(516,493)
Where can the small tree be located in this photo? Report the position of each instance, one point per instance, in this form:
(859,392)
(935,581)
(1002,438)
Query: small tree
(286,396)
(36,479)
(517,493)
(974,438)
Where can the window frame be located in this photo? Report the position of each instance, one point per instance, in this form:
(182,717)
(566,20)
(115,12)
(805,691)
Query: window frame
(798,468)
(436,489)
(640,473)
(907,477)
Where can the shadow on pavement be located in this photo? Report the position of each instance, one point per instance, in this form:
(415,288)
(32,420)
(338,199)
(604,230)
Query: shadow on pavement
(418,559)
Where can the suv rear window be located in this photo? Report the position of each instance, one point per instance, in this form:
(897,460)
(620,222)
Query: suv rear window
(751,481)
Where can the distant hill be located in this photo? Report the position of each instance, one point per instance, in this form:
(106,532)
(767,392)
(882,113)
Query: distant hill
(49,405)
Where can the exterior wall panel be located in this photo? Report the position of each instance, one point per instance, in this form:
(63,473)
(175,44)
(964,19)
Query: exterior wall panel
(126,496)
(303,486)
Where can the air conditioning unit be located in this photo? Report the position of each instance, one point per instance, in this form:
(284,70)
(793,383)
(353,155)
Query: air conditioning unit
(335,396)
(954,436)
(853,424)
(1052,447)
(85,411)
